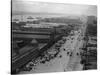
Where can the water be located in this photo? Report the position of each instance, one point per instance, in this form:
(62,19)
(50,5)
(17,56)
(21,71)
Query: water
(24,17)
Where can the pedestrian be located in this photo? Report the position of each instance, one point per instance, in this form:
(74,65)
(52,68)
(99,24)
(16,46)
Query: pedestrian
(64,49)
(77,54)
(67,53)
(71,54)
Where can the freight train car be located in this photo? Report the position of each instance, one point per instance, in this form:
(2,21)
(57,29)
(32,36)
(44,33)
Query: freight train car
(30,52)
(23,55)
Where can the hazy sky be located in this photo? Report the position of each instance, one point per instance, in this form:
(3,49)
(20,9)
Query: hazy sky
(31,6)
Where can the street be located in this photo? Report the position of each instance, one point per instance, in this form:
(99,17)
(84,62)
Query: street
(68,58)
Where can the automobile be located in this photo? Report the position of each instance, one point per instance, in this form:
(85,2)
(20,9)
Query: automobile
(83,61)
(57,45)
(61,42)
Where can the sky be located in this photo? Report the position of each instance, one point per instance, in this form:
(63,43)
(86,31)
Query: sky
(43,7)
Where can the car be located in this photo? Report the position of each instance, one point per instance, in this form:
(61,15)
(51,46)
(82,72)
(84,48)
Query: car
(57,45)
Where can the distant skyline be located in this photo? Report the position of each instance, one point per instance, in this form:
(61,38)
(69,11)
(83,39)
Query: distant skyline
(59,8)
